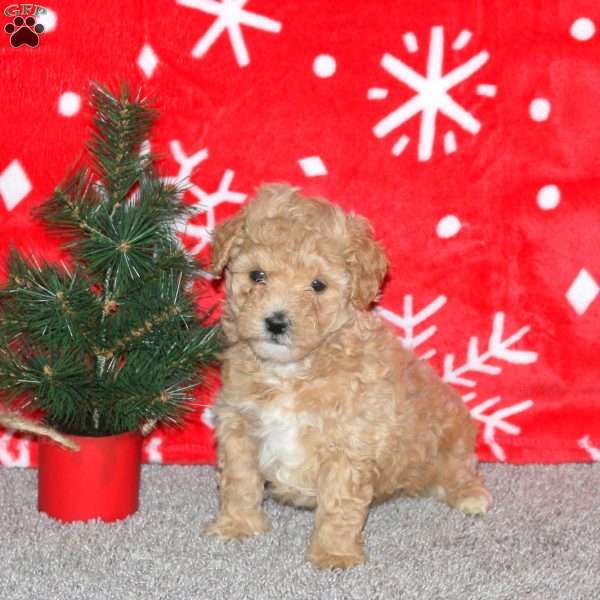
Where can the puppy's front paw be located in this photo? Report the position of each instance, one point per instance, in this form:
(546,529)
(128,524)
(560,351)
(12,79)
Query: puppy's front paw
(228,528)
(322,559)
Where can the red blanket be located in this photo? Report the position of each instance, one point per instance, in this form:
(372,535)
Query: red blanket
(468,132)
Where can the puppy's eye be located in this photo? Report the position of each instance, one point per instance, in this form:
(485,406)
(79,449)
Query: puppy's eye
(258,276)
(318,285)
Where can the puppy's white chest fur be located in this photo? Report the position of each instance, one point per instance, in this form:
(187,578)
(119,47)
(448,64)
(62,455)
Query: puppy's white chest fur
(278,429)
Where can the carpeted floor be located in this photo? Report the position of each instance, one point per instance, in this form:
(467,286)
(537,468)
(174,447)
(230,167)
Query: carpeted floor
(542,541)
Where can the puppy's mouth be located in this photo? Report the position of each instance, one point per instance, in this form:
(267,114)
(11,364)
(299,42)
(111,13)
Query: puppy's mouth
(274,339)
(276,348)
(279,339)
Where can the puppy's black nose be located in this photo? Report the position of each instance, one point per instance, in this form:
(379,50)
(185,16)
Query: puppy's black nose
(277,322)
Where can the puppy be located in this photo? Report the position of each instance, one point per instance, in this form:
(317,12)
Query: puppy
(319,398)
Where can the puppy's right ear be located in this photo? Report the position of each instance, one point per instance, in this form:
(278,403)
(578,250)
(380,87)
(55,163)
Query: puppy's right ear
(223,240)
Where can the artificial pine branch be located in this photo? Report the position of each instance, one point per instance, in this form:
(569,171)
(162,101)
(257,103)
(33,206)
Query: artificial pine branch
(46,304)
(122,125)
(68,209)
(115,340)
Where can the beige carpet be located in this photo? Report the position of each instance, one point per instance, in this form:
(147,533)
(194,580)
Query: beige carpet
(542,541)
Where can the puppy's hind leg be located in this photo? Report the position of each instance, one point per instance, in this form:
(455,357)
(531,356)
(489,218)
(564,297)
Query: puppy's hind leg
(241,487)
(460,485)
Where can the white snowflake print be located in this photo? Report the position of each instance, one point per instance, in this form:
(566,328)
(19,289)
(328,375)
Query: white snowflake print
(499,348)
(152,449)
(21,456)
(230,15)
(206,202)
(208,417)
(432,93)
(586,444)
(408,321)
(496,420)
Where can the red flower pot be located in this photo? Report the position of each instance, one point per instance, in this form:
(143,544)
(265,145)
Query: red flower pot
(100,481)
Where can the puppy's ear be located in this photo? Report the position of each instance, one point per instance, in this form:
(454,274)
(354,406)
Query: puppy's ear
(366,261)
(223,239)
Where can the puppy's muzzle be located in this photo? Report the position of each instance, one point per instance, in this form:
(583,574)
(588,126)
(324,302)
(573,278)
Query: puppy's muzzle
(277,323)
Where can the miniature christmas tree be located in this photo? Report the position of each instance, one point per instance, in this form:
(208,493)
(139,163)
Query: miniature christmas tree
(112,342)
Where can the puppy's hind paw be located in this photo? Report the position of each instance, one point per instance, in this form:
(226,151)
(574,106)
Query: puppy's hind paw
(476,503)
(228,528)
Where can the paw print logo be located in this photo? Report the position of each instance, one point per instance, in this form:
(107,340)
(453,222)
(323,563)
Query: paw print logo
(24,31)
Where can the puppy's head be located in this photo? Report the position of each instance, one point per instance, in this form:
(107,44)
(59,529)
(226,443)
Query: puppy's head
(295,270)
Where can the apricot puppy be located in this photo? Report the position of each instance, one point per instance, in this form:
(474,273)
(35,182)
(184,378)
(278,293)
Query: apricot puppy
(319,398)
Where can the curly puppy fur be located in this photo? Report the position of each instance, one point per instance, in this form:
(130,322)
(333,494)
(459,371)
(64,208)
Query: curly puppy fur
(319,399)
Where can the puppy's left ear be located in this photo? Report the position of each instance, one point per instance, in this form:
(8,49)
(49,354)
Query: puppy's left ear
(366,261)
(223,239)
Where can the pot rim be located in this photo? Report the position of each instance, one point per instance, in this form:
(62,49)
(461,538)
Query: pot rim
(134,433)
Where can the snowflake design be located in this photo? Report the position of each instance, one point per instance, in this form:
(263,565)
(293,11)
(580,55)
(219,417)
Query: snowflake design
(496,420)
(20,456)
(206,202)
(152,449)
(409,321)
(499,348)
(585,443)
(432,93)
(230,15)
(208,417)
